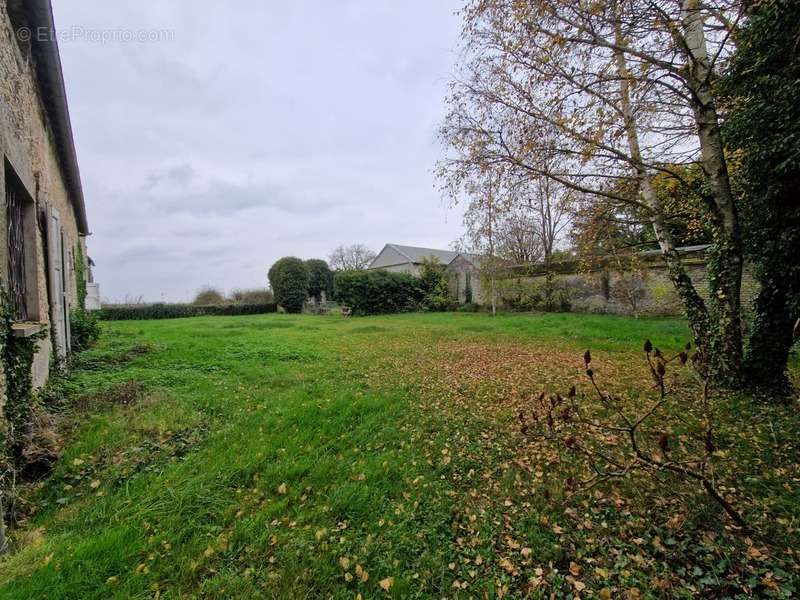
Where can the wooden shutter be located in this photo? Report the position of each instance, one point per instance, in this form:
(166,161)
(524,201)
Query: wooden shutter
(66,274)
(55,266)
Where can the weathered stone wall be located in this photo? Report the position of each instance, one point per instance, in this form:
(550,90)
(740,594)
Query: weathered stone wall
(645,291)
(461,274)
(26,142)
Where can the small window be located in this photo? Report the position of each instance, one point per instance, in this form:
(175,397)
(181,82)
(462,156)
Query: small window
(21,248)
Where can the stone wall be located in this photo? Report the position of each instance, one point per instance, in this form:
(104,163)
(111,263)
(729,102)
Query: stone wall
(462,274)
(644,291)
(27,145)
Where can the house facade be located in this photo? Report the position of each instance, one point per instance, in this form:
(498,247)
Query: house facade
(460,268)
(43,225)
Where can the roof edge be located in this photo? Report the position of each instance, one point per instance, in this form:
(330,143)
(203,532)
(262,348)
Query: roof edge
(50,79)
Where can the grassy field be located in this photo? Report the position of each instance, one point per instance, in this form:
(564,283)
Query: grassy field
(318,457)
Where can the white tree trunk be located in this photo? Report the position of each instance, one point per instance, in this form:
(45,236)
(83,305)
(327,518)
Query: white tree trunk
(694,306)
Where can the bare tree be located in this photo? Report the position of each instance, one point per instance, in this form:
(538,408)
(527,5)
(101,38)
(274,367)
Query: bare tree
(517,239)
(550,203)
(588,94)
(353,257)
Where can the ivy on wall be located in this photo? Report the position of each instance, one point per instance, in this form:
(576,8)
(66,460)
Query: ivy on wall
(80,275)
(16,418)
(84,327)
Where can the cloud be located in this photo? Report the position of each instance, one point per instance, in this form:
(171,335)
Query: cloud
(180,189)
(255,131)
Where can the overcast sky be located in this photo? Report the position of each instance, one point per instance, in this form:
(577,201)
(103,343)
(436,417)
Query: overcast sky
(252,130)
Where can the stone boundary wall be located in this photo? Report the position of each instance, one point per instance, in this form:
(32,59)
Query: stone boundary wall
(642,291)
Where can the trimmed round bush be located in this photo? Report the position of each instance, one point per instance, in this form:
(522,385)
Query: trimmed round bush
(320,279)
(289,280)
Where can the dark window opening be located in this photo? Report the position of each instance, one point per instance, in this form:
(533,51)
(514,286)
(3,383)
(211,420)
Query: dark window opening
(20,237)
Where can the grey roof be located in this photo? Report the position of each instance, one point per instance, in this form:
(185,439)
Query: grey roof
(416,255)
(473,259)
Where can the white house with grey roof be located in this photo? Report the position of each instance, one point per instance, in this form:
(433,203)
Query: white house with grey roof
(408,259)
(461,268)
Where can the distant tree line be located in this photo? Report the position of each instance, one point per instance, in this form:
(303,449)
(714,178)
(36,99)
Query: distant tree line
(209,295)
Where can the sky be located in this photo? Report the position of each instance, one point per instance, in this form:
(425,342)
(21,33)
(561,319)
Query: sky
(215,137)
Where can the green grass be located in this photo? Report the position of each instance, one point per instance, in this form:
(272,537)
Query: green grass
(268,456)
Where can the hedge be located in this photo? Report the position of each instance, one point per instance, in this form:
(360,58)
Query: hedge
(376,292)
(135,312)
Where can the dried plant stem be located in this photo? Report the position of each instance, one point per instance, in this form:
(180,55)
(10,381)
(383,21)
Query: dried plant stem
(572,425)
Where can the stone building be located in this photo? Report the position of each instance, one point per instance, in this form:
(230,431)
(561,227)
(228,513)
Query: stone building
(43,222)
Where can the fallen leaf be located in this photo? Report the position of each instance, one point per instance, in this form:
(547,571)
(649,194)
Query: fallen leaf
(386,584)
(507,565)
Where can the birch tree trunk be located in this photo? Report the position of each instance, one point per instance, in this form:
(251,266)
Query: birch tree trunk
(696,311)
(726,264)
(492,264)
